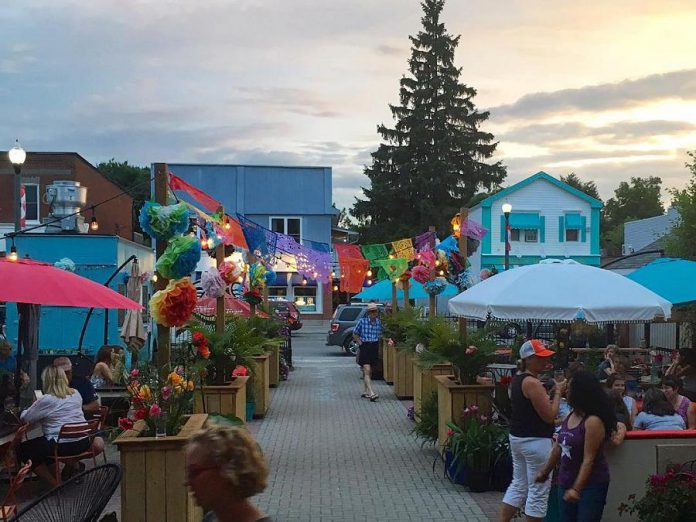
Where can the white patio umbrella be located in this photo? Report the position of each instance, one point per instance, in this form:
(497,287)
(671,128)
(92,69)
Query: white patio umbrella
(133,330)
(560,290)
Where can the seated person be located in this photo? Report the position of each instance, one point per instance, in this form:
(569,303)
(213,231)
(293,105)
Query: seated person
(90,399)
(671,386)
(684,367)
(609,364)
(691,417)
(59,405)
(102,375)
(617,383)
(623,417)
(658,413)
(7,360)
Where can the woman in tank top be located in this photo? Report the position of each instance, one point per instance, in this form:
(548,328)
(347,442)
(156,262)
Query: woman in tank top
(583,475)
(531,432)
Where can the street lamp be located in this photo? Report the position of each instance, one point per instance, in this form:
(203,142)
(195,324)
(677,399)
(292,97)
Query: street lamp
(507,208)
(17,156)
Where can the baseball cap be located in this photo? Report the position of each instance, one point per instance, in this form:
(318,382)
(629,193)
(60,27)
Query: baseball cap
(63,363)
(371,307)
(535,347)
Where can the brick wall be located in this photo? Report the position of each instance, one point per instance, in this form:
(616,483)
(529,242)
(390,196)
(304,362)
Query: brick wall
(115,217)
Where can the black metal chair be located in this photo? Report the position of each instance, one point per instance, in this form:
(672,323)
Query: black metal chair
(80,499)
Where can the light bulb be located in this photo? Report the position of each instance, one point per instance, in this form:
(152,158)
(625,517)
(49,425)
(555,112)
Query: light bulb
(240,279)
(13,253)
(437,263)
(369,273)
(442,272)
(304,281)
(369,282)
(333,274)
(154,278)
(210,242)
(391,256)
(94,225)
(335,288)
(227,225)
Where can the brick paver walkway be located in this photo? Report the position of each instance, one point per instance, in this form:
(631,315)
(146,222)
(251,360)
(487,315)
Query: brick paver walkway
(336,457)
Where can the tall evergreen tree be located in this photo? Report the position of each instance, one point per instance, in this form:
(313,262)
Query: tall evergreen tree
(433,161)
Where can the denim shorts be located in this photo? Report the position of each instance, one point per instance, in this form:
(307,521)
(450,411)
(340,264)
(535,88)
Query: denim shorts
(590,507)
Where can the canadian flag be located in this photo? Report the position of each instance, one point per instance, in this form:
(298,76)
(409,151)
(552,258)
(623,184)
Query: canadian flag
(23,207)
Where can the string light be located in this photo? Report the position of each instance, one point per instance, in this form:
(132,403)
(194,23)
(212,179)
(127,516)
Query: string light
(154,278)
(369,273)
(304,280)
(210,242)
(335,288)
(227,225)
(13,252)
(442,272)
(94,225)
(391,256)
(240,279)
(437,263)
(333,274)
(369,282)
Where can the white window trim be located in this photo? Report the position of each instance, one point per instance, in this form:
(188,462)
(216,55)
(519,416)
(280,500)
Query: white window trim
(285,224)
(38,203)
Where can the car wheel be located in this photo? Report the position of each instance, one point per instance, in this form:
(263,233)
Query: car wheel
(350,346)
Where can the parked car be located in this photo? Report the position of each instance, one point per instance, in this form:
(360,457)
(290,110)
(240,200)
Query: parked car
(343,322)
(289,308)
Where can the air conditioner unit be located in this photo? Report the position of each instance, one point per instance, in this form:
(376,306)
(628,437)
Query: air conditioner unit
(627,250)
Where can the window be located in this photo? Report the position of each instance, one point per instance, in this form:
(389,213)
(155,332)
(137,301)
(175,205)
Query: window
(277,292)
(290,226)
(528,235)
(306,298)
(572,234)
(350,313)
(31,195)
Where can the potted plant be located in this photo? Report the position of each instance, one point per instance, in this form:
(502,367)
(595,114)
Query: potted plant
(271,329)
(426,420)
(424,372)
(151,445)
(669,497)
(396,327)
(468,360)
(471,444)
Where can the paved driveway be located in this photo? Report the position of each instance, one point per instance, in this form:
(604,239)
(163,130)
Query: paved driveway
(336,457)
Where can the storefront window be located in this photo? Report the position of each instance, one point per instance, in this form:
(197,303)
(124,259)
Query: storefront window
(278,292)
(306,298)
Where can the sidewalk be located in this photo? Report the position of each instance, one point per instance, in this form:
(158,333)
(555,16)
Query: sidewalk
(336,457)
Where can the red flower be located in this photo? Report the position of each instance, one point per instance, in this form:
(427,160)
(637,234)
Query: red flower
(203,351)
(125,423)
(240,371)
(140,414)
(450,432)
(198,338)
(471,350)
(505,380)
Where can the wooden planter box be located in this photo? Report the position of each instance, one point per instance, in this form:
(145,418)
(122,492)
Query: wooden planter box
(228,399)
(424,381)
(452,398)
(273,365)
(262,394)
(403,374)
(388,357)
(152,488)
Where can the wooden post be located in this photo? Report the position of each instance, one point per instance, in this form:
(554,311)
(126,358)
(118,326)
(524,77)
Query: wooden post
(395,301)
(220,315)
(432,300)
(407,284)
(161,190)
(463,217)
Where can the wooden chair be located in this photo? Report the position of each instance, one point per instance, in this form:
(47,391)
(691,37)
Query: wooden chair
(72,433)
(9,505)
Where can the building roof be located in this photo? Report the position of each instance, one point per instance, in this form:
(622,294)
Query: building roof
(594,203)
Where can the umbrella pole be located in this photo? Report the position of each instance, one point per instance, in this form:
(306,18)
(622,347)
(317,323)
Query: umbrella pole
(395,301)
(407,284)
(220,315)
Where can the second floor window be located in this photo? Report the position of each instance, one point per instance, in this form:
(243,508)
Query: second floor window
(31,194)
(290,226)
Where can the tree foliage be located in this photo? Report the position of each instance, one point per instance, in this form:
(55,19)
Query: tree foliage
(433,161)
(682,240)
(588,187)
(132,179)
(637,199)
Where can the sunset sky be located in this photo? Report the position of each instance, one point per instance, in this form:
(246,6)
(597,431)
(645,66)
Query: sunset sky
(605,89)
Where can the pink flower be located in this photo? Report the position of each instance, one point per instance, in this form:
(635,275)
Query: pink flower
(470,350)
(483,418)
(166,392)
(390,342)
(125,423)
(467,411)
(473,408)
(155,411)
(179,370)
(450,432)
(134,372)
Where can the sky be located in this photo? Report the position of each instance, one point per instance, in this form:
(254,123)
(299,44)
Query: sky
(603,89)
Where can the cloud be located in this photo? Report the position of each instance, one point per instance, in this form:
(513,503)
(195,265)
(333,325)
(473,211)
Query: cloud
(608,96)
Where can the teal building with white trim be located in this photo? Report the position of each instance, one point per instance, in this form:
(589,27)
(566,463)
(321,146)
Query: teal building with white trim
(549,219)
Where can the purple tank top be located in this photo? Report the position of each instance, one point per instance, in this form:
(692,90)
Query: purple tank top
(683,409)
(572,442)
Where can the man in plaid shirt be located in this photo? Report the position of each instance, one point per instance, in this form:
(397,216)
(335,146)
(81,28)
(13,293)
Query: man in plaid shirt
(367,333)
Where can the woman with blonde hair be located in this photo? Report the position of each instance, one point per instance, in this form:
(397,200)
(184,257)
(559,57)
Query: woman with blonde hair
(224,468)
(59,405)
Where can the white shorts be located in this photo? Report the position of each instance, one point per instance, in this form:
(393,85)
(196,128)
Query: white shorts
(529,455)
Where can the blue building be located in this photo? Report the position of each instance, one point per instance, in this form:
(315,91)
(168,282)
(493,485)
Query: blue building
(96,257)
(296,201)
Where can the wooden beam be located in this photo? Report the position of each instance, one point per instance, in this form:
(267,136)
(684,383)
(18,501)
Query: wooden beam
(463,216)
(163,332)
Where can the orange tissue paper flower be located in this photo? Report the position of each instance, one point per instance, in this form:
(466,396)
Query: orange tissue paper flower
(174,305)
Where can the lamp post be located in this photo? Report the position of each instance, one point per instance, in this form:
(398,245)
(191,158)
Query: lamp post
(507,208)
(17,156)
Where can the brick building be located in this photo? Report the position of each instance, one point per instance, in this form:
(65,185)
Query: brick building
(43,168)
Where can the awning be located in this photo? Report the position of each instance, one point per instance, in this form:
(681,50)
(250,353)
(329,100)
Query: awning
(574,221)
(525,221)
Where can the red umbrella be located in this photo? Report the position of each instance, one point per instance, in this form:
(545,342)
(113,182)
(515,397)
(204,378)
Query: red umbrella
(34,282)
(208,306)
